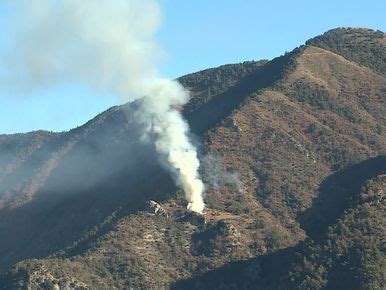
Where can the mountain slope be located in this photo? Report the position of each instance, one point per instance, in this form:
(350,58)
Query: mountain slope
(277,137)
(72,182)
(361,45)
(349,255)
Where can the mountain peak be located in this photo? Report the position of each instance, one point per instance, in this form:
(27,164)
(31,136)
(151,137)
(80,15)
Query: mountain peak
(353,30)
(362,45)
(352,34)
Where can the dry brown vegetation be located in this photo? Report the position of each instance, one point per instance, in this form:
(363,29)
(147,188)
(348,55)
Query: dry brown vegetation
(300,135)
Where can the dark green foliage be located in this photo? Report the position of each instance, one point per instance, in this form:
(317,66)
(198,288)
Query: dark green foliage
(258,224)
(212,202)
(337,192)
(214,240)
(311,128)
(274,238)
(349,255)
(351,252)
(206,110)
(238,207)
(361,45)
(319,97)
(215,81)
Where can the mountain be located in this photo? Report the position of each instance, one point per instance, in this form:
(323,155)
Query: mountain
(294,156)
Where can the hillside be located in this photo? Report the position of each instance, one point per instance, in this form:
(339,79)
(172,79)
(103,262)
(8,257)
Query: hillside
(293,153)
(350,254)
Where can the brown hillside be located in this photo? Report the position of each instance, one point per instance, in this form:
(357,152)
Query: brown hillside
(287,147)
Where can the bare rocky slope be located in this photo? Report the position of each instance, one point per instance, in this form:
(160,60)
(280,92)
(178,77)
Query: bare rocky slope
(293,153)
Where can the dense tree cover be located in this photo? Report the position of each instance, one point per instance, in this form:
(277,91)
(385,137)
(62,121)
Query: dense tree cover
(318,96)
(364,46)
(215,81)
(350,254)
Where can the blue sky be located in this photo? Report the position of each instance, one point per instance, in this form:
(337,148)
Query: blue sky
(196,35)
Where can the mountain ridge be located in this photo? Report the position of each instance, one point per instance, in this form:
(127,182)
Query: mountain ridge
(279,128)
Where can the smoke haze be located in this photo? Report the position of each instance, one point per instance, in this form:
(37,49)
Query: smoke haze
(108,45)
(217,176)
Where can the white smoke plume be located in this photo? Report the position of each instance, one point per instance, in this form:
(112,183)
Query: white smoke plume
(108,45)
(217,176)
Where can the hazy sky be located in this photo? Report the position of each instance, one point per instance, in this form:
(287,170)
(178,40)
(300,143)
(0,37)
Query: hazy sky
(195,35)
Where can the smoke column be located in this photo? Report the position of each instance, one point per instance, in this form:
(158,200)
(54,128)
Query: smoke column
(108,45)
